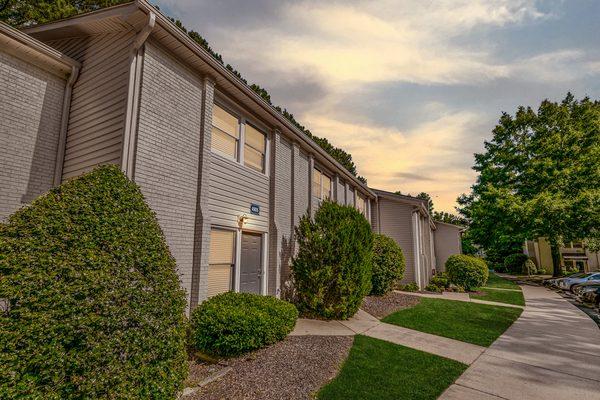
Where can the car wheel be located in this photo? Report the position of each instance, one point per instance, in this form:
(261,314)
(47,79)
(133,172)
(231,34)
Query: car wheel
(572,288)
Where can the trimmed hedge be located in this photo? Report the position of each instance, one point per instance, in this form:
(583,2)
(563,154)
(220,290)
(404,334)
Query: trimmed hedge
(440,280)
(388,264)
(514,263)
(234,323)
(95,308)
(467,271)
(332,269)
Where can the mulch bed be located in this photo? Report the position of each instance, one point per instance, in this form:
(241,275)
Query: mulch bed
(381,306)
(292,369)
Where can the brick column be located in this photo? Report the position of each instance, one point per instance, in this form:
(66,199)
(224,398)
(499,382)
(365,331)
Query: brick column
(202,229)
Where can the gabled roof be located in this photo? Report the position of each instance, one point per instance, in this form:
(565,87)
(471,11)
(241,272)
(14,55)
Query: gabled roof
(25,47)
(417,202)
(134,16)
(462,228)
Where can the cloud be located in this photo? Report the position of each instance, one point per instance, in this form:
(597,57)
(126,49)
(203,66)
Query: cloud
(410,88)
(434,157)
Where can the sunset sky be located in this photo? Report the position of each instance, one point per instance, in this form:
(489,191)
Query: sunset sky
(411,88)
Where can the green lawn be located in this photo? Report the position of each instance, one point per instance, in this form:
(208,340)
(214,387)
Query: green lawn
(380,370)
(501,296)
(495,281)
(474,323)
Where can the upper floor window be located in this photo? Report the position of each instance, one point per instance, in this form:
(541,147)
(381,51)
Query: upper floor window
(254,148)
(230,140)
(361,204)
(226,133)
(321,185)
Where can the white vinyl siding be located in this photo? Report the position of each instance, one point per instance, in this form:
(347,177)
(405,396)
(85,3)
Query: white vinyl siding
(220,261)
(255,147)
(226,133)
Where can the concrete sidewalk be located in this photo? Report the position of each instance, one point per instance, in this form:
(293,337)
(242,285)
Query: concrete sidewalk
(551,352)
(365,324)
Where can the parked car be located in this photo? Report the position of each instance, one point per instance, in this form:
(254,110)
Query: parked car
(592,296)
(574,280)
(590,286)
(554,282)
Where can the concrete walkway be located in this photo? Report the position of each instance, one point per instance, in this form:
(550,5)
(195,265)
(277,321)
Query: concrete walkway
(365,324)
(551,352)
(460,297)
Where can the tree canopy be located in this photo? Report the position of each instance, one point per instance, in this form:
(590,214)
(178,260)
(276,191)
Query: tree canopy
(31,12)
(539,176)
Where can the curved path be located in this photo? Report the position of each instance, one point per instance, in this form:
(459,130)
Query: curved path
(551,352)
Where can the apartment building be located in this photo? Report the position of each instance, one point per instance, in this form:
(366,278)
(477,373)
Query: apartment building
(573,255)
(227,175)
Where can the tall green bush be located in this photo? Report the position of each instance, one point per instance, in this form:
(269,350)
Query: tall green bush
(388,264)
(233,323)
(514,263)
(467,271)
(332,269)
(95,308)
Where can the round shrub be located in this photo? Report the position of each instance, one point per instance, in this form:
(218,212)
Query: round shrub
(332,269)
(233,323)
(94,304)
(440,280)
(514,263)
(467,271)
(410,287)
(388,264)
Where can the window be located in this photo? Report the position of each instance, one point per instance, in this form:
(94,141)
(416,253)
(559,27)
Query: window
(361,204)
(321,185)
(225,133)
(220,261)
(254,148)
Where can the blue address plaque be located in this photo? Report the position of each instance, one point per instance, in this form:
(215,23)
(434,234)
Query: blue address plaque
(254,209)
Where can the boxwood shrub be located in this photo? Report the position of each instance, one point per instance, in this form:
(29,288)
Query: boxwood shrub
(94,304)
(332,269)
(514,263)
(467,271)
(388,264)
(233,323)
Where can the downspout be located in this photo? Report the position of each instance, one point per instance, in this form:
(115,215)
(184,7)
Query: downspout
(64,124)
(416,247)
(133,95)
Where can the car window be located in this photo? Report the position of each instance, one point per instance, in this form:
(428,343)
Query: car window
(595,277)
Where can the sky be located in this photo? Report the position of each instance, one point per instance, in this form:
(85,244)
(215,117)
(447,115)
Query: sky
(411,88)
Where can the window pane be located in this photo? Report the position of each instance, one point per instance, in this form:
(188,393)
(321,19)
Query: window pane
(221,246)
(224,143)
(326,187)
(219,279)
(316,185)
(225,121)
(255,139)
(253,159)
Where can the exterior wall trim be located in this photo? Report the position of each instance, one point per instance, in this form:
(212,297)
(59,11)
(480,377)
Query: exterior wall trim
(136,62)
(64,124)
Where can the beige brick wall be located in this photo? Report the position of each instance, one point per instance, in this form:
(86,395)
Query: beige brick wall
(168,144)
(30,114)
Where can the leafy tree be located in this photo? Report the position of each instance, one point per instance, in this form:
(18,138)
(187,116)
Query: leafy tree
(428,200)
(31,12)
(538,177)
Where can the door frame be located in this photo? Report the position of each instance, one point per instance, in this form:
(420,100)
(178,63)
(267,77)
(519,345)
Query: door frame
(264,259)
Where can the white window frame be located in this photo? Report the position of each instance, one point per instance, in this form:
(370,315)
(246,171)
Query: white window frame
(237,257)
(323,174)
(239,140)
(244,120)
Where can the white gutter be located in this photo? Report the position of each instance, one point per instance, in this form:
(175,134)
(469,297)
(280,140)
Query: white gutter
(64,124)
(136,61)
